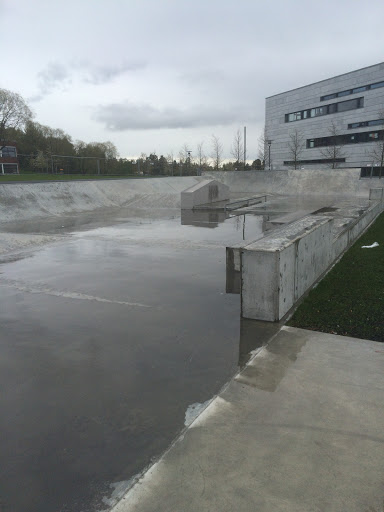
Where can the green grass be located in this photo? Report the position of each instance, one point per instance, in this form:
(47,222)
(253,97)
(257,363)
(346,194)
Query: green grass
(58,177)
(350,299)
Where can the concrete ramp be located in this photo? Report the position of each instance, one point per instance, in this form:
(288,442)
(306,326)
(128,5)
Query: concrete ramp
(19,201)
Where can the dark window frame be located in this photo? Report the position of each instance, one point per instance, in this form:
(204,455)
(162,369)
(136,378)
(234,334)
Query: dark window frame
(364,124)
(345,139)
(322,110)
(8,152)
(355,90)
(314,161)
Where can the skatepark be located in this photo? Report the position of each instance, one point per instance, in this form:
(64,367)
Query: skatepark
(136,371)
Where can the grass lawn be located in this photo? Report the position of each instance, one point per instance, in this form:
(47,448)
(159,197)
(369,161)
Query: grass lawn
(350,299)
(59,177)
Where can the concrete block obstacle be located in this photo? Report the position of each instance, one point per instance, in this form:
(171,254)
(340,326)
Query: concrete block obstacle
(206,192)
(278,269)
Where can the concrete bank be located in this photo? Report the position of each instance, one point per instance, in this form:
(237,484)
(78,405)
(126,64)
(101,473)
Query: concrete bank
(20,201)
(300,182)
(298,430)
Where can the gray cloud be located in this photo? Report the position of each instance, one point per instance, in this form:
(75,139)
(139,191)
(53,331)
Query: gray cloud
(57,76)
(54,76)
(127,116)
(104,74)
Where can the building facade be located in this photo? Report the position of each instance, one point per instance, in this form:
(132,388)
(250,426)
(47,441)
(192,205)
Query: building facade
(338,122)
(9,163)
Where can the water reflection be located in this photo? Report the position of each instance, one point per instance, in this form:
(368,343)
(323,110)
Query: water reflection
(267,371)
(253,335)
(203,219)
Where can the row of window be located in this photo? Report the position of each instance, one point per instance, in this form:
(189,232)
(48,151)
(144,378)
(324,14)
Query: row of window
(315,161)
(355,90)
(350,138)
(375,122)
(333,108)
(8,152)
(372,172)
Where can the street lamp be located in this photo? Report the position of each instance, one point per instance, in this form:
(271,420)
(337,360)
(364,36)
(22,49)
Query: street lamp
(269,142)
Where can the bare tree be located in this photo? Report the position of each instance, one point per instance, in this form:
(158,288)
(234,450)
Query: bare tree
(200,156)
(377,151)
(334,151)
(296,145)
(217,152)
(237,149)
(14,112)
(263,152)
(170,162)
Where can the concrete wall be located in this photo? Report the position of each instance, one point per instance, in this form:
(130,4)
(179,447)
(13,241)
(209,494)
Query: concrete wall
(205,192)
(308,97)
(278,269)
(20,201)
(320,182)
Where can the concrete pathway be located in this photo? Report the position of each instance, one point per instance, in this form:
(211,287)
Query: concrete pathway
(299,430)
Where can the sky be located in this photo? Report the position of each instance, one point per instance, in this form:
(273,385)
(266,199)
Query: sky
(156,75)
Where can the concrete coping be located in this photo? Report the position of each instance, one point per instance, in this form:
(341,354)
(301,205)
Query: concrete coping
(285,236)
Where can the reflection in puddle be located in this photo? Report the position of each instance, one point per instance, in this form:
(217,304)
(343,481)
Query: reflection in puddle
(267,370)
(193,412)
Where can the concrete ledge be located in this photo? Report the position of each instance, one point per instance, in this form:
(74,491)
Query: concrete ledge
(278,269)
(206,192)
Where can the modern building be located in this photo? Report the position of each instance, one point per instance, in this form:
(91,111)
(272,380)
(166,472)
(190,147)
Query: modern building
(9,163)
(338,122)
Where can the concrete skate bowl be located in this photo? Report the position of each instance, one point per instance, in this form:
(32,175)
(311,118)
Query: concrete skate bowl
(115,331)
(116,328)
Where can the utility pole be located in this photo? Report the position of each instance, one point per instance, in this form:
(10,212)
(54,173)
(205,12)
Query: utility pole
(245,145)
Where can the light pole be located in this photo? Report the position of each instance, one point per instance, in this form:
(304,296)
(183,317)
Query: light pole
(269,142)
(189,160)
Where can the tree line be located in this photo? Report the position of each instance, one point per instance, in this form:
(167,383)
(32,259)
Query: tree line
(45,149)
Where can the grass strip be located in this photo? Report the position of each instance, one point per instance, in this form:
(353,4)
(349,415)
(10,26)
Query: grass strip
(59,177)
(350,299)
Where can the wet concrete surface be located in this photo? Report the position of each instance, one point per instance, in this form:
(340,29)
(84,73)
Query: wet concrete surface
(299,429)
(107,337)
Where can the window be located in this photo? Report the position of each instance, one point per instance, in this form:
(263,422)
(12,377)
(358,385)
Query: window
(375,122)
(377,85)
(328,97)
(343,106)
(8,152)
(359,89)
(343,93)
(318,111)
(362,124)
(356,125)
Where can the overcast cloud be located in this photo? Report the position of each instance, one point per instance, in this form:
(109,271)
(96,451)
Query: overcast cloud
(155,74)
(124,116)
